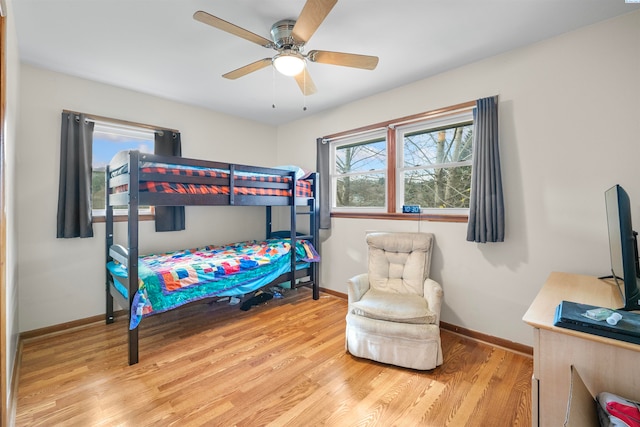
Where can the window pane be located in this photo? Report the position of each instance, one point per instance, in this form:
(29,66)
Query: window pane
(361,191)
(107,142)
(362,157)
(436,147)
(438,188)
(97,189)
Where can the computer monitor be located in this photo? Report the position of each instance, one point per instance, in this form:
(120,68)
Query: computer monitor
(623,247)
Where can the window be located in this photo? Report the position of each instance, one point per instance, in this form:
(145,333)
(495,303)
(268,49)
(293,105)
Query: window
(423,160)
(109,139)
(360,172)
(434,164)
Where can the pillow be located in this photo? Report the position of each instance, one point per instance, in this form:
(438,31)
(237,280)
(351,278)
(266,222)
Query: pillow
(300,173)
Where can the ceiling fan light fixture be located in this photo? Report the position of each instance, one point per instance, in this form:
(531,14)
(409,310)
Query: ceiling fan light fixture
(289,63)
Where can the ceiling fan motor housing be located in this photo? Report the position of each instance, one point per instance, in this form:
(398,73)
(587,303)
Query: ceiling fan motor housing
(281,35)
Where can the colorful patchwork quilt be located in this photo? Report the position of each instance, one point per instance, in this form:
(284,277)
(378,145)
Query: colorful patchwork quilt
(169,280)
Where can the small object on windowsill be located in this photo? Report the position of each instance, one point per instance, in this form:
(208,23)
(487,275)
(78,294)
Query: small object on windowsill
(410,208)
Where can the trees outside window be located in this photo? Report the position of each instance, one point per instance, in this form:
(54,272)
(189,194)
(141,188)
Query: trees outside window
(360,173)
(435,170)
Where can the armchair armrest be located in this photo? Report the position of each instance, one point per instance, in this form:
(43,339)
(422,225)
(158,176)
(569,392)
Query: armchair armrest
(433,294)
(357,286)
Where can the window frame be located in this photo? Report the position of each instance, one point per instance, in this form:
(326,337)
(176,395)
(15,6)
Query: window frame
(463,118)
(372,136)
(427,119)
(144,133)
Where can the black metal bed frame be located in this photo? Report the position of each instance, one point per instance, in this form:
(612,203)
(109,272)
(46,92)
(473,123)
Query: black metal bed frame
(130,161)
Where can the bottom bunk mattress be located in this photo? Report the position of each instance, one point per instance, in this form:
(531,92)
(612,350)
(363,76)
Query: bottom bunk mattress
(169,280)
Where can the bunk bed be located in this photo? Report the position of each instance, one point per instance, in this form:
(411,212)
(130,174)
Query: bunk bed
(147,285)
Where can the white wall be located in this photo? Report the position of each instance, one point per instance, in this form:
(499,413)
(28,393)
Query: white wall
(11,238)
(63,279)
(569,128)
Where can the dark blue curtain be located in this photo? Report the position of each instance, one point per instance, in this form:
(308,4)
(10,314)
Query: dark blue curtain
(74,187)
(322,166)
(486,205)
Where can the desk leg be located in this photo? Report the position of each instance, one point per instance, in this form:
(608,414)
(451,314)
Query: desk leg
(535,382)
(535,422)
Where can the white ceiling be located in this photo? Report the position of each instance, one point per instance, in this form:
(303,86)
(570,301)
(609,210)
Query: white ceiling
(156,47)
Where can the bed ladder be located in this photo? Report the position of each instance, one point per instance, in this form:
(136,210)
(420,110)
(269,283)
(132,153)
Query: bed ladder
(313,235)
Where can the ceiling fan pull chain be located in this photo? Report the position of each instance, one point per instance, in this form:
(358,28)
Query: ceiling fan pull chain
(304,92)
(273,94)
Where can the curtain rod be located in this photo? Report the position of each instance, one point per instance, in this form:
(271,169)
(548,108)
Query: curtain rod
(96,118)
(363,131)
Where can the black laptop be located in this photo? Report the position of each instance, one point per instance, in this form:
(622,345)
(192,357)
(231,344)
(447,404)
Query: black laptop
(571,315)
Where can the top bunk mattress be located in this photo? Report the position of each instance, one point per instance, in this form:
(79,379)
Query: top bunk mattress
(188,179)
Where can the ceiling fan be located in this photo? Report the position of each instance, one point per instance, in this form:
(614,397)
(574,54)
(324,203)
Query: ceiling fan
(288,39)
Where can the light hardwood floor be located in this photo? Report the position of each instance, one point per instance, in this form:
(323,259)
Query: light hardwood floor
(282,363)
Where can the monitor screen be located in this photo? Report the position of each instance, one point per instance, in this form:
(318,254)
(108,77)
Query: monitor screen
(623,247)
(615,239)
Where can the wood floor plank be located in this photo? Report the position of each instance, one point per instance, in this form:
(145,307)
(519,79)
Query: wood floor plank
(280,364)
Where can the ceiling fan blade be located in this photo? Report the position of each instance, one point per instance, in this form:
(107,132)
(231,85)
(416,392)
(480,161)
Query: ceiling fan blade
(305,82)
(345,59)
(312,15)
(223,25)
(243,71)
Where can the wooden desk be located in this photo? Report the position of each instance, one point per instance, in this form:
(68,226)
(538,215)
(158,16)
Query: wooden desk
(604,364)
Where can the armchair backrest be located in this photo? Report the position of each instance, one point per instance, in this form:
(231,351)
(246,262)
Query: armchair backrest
(399,262)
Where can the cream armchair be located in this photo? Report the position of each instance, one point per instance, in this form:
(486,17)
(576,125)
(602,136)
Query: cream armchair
(394,310)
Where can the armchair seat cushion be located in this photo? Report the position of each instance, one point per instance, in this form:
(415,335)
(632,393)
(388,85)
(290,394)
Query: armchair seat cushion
(394,307)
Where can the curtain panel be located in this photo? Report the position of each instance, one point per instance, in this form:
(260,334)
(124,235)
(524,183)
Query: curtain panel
(486,204)
(322,166)
(169,218)
(74,188)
